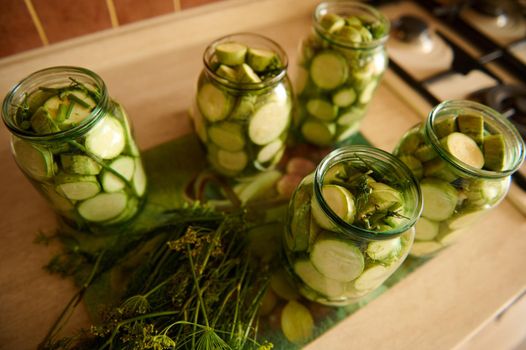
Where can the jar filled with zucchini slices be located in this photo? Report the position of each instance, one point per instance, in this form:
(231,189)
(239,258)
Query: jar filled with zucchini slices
(340,66)
(463,156)
(350,224)
(75,145)
(243,104)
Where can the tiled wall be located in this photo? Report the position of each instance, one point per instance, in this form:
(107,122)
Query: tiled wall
(27,24)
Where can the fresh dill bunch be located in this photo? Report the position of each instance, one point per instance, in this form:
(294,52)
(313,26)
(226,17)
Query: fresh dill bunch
(191,285)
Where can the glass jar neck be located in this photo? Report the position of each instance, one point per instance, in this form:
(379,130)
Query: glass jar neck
(494,122)
(384,163)
(52,78)
(253,41)
(345,9)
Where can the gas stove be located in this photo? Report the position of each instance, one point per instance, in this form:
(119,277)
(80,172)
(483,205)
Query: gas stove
(474,50)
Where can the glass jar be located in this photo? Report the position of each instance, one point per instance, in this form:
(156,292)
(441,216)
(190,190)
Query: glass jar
(74,143)
(339,68)
(350,224)
(463,156)
(243,104)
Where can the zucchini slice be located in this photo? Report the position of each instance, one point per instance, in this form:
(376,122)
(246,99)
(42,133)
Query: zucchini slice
(329,70)
(214,103)
(268,122)
(107,139)
(103,207)
(383,250)
(267,153)
(322,109)
(77,187)
(231,53)
(79,164)
(372,278)
(426,230)
(337,259)
(440,199)
(125,166)
(34,160)
(318,133)
(464,148)
(139,178)
(316,281)
(228,136)
(341,202)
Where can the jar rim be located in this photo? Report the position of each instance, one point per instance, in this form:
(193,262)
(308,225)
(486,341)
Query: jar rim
(210,49)
(361,152)
(20,88)
(349,7)
(512,134)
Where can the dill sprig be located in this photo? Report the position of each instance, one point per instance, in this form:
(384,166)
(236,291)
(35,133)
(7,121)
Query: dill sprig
(195,286)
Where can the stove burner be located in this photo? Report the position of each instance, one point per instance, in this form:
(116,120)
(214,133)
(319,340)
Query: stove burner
(510,100)
(492,8)
(414,31)
(410,29)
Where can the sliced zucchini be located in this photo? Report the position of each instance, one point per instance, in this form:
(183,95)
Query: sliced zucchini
(322,109)
(244,107)
(423,249)
(259,59)
(472,126)
(247,75)
(214,103)
(384,196)
(440,169)
(331,22)
(227,72)
(268,122)
(410,143)
(123,165)
(464,149)
(494,149)
(139,178)
(58,201)
(329,70)
(383,250)
(199,124)
(344,97)
(445,127)
(367,93)
(42,122)
(337,259)
(259,185)
(440,199)
(316,281)
(267,153)
(283,286)
(228,136)
(34,160)
(372,277)
(350,116)
(131,209)
(297,323)
(414,165)
(426,230)
(103,207)
(232,161)
(79,164)
(77,187)
(302,77)
(339,200)
(231,53)
(107,139)
(318,133)
(425,153)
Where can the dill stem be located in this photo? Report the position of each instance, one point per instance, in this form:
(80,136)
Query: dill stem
(199,294)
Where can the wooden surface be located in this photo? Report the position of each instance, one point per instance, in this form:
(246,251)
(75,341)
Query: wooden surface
(152,69)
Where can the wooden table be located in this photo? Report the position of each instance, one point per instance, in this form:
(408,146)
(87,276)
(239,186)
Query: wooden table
(458,299)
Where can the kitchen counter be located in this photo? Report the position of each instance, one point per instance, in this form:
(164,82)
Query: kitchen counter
(471,296)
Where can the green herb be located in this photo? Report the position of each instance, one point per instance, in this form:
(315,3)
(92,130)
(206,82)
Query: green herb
(193,286)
